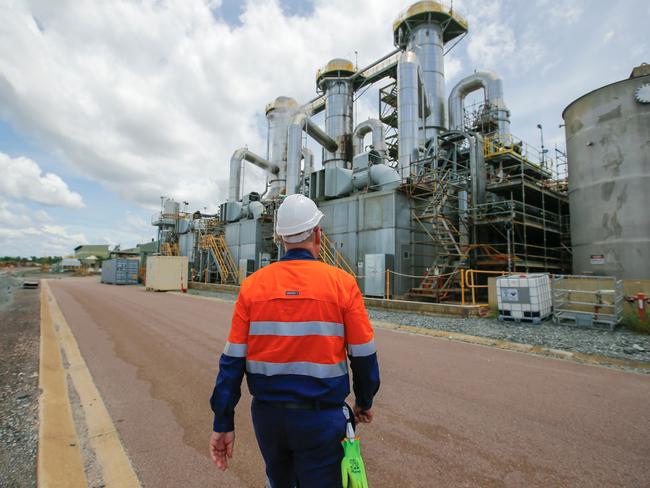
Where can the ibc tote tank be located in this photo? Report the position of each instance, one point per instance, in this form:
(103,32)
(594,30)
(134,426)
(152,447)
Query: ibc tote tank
(608,149)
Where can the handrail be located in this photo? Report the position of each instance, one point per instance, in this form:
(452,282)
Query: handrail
(221,240)
(224,272)
(333,257)
(169,249)
(222,255)
(467,280)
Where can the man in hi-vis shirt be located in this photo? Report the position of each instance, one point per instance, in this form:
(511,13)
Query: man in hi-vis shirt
(294,323)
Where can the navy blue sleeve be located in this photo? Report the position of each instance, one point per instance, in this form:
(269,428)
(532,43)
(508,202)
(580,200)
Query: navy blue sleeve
(227,392)
(365,379)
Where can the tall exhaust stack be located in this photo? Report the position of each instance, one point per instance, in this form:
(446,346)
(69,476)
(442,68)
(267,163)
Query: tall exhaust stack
(424,29)
(334,81)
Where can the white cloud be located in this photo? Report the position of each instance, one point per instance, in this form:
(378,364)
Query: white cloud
(490,45)
(23,179)
(152,98)
(562,12)
(28,232)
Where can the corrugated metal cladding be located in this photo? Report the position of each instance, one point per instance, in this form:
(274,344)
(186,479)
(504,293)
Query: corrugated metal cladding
(120,271)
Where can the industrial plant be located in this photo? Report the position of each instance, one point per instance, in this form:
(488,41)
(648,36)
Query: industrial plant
(433,195)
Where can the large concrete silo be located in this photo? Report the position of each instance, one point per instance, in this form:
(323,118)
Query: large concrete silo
(608,148)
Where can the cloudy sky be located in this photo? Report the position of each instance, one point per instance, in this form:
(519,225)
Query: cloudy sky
(105,106)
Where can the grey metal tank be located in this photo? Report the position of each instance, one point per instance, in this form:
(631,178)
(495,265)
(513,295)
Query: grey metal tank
(608,148)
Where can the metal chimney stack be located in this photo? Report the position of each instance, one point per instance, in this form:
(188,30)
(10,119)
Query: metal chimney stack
(424,29)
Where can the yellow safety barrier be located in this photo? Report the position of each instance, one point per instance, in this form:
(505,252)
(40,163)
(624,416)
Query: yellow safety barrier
(467,280)
(330,255)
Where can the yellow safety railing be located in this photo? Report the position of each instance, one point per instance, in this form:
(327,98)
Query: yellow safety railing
(228,259)
(169,249)
(330,255)
(467,280)
(221,253)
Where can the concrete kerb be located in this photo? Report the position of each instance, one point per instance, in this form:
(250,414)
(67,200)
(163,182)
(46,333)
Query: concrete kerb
(234,289)
(591,359)
(578,357)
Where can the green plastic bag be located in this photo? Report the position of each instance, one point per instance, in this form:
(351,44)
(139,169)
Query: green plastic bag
(353,470)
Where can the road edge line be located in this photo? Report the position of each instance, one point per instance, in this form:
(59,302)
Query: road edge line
(115,465)
(59,460)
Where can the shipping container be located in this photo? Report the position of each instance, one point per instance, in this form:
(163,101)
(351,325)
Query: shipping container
(120,271)
(166,273)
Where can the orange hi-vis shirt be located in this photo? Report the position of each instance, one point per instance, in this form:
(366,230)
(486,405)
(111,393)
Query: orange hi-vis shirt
(293,323)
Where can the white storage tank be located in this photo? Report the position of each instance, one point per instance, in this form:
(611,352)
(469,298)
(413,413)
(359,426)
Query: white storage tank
(166,273)
(524,297)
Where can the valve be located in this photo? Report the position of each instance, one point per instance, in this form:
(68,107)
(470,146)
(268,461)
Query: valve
(641,300)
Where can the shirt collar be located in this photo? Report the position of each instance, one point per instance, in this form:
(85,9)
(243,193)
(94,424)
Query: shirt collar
(297,254)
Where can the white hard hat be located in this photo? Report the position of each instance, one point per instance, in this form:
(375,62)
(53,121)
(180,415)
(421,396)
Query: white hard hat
(297,215)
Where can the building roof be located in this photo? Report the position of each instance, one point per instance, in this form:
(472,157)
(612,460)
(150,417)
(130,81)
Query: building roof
(148,247)
(86,250)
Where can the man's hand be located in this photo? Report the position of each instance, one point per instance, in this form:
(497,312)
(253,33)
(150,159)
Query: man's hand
(221,447)
(362,416)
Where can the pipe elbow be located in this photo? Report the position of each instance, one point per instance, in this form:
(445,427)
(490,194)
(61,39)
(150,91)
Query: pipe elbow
(378,141)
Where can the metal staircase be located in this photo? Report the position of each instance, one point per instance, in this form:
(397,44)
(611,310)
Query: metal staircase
(330,255)
(220,253)
(169,249)
(388,115)
(438,216)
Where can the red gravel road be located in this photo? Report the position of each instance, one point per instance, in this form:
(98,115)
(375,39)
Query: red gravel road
(448,414)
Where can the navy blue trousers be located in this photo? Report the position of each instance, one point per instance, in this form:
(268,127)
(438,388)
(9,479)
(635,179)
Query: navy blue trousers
(300,447)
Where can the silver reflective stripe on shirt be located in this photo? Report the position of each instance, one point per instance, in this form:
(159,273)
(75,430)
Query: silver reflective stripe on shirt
(359,350)
(235,350)
(297,328)
(316,370)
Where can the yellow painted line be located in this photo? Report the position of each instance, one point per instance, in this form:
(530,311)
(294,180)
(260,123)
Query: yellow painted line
(115,466)
(59,462)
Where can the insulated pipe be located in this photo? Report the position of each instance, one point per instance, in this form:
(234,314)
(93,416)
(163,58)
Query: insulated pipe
(378,141)
(243,154)
(299,123)
(426,42)
(493,87)
(408,113)
(308,157)
(308,167)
